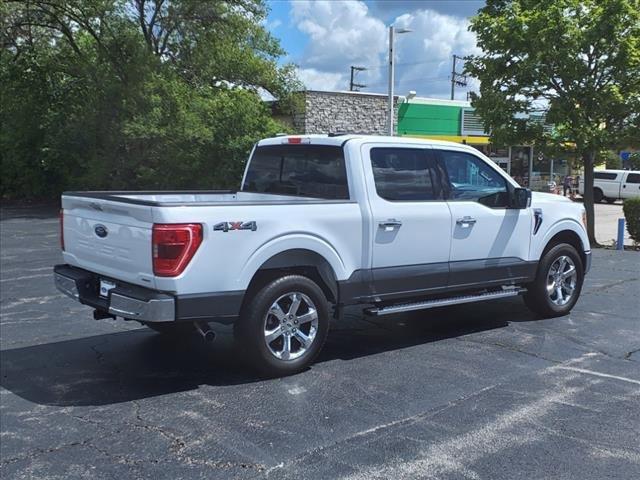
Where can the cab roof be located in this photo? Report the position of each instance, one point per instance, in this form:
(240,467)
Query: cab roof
(340,139)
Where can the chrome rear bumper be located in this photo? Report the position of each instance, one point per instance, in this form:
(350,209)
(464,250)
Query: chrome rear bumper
(127,301)
(153,310)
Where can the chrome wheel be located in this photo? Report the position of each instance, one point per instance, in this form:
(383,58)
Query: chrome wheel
(290,326)
(561,280)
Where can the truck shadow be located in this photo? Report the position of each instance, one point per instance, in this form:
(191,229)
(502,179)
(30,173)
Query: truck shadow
(125,366)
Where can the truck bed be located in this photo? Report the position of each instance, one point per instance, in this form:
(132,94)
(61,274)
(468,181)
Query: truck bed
(110,234)
(179,198)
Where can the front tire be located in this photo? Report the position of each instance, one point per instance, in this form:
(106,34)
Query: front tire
(283,327)
(558,282)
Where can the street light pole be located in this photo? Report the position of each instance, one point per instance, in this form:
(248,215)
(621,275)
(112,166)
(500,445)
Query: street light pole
(390,112)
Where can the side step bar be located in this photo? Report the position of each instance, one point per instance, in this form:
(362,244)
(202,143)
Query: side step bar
(443,302)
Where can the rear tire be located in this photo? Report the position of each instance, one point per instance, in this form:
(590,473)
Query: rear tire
(283,327)
(558,282)
(597,195)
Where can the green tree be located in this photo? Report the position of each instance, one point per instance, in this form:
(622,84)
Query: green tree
(129,94)
(634,161)
(578,61)
(611,160)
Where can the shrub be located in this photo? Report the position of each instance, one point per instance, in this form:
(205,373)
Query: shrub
(631,210)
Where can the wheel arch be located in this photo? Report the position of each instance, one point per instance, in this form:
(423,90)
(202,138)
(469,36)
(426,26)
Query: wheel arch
(565,235)
(299,261)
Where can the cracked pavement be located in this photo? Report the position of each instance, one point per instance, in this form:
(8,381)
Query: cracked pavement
(480,391)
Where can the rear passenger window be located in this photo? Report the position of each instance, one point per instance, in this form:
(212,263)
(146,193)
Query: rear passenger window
(633,178)
(405,174)
(605,175)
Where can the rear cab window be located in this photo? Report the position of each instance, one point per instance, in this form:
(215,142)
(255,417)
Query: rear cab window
(315,171)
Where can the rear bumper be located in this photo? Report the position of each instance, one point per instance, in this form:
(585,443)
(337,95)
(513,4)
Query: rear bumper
(133,302)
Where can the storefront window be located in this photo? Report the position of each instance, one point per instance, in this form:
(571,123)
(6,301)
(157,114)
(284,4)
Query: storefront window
(548,173)
(519,169)
(500,155)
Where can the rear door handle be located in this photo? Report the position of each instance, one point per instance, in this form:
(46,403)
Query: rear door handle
(466,221)
(390,224)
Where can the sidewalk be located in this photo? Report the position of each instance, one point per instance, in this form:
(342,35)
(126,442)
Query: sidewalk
(607,216)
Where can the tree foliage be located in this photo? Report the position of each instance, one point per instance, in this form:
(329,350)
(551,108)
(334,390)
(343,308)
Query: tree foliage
(125,94)
(578,61)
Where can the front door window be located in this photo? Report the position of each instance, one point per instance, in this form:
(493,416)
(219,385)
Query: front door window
(471,179)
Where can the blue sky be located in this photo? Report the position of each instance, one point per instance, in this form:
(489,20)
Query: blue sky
(324,38)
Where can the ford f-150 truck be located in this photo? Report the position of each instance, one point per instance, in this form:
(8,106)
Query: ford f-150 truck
(320,222)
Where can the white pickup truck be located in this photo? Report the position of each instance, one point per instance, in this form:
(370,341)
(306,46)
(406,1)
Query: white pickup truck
(320,222)
(612,185)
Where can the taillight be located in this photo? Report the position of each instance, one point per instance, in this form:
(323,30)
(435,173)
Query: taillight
(62,229)
(174,245)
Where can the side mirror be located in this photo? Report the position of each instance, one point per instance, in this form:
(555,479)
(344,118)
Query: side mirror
(520,198)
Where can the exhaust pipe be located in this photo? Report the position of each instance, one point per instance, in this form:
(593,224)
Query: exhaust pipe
(205,331)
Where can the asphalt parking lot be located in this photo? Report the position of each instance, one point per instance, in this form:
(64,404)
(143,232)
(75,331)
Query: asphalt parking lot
(480,391)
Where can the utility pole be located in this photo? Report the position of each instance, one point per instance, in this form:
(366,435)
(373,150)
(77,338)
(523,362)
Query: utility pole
(457,78)
(354,87)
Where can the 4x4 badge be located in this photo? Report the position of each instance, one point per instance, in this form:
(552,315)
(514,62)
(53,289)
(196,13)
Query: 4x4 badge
(226,226)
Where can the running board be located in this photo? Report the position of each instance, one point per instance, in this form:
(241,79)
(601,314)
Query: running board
(444,302)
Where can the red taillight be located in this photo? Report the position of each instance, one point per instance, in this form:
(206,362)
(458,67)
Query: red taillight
(62,229)
(174,245)
(295,140)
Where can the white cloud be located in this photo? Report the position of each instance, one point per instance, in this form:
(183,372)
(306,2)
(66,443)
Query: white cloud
(317,80)
(271,26)
(342,34)
(435,38)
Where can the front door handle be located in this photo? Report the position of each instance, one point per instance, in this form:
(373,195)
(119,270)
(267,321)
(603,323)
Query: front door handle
(390,224)
(465,221)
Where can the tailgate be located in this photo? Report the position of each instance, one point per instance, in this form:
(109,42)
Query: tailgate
(109,237)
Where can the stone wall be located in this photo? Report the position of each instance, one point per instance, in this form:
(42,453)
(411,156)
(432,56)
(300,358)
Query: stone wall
(350,112)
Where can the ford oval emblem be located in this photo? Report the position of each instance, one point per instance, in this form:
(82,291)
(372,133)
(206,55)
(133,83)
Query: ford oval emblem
(101,231)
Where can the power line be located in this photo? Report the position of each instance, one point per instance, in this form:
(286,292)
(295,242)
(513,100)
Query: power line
(404,64)
(417,79)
